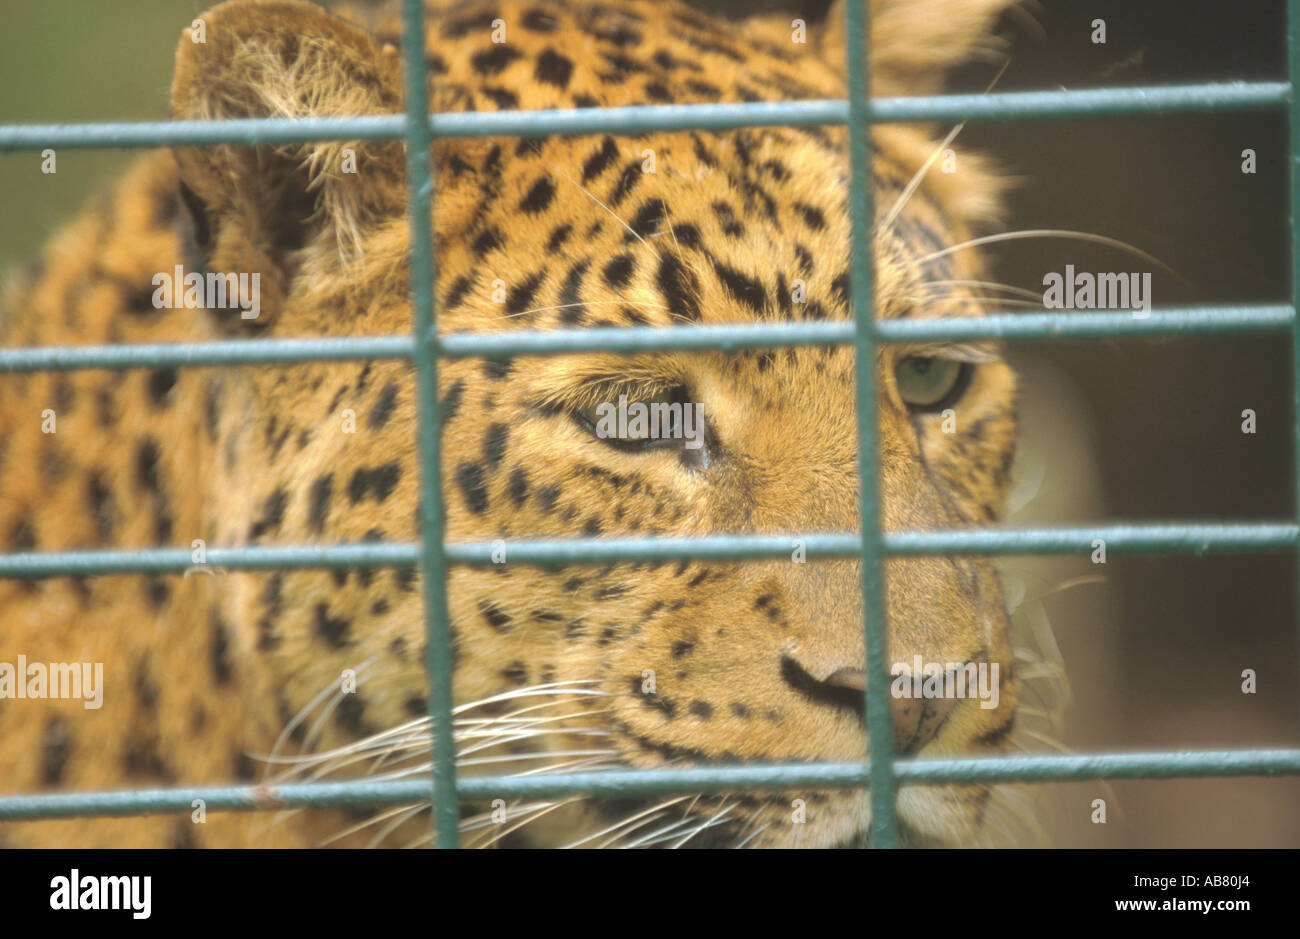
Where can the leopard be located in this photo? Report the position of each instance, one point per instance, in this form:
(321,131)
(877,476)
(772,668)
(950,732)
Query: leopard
(261,676)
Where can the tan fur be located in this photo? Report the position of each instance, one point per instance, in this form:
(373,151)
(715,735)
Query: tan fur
(205,670)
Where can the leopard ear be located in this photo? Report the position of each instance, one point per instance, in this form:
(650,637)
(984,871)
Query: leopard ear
(263,208)
(914,42)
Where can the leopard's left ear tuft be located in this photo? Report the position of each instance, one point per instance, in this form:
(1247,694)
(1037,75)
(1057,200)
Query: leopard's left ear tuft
(260,208)
(915,42)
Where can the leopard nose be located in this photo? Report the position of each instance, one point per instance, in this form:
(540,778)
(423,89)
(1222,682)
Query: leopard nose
(916,720)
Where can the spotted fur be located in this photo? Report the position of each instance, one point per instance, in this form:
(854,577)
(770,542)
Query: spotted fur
(207,674)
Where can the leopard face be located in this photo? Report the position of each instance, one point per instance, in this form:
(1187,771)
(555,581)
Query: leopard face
(630,664)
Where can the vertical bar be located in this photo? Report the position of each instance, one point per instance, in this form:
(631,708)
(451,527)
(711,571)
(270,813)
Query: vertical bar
(1293,114)
(419,194)
(880,725)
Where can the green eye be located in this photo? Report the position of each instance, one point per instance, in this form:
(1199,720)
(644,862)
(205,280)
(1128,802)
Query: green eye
(927,384)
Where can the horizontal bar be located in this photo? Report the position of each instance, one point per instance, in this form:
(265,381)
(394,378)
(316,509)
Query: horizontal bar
(619,783)
(639,119)
(1083,103)
(1138,539)
(921,772)
(456,345)
(728,337)
(1010,326)
(229,352)
(247,131)
(1025,105)
(217,560)
(1191,538)
(360,794)
(252,132)
(1053,326)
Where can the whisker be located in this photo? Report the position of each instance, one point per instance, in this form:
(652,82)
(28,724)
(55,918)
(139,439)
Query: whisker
(522,757)
(534,817)
(360,746)
(998,302)
(673,830)
(382,835)
(914,183)
(1060,747)
(611,842)
(985,285)
(615,215)
(659,834)
(311,705)
(317,728)
(483,823)
(422,841)
(673,232)
(620,824)
(754,834)
(559,687)
(485,724)
(401,812)
(1049,233)
(717,819)
(920,174)
(1075,582)
(511,732)
(590,764)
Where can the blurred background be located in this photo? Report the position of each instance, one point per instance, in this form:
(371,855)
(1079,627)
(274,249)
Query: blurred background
(1153,648)
(1149,430)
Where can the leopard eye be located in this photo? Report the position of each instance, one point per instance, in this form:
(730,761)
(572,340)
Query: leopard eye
(931,384)
(636,422)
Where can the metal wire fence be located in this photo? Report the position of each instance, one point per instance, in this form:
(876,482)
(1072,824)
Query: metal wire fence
(882,773)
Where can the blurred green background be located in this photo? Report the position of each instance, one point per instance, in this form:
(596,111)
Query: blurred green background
(68,60)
